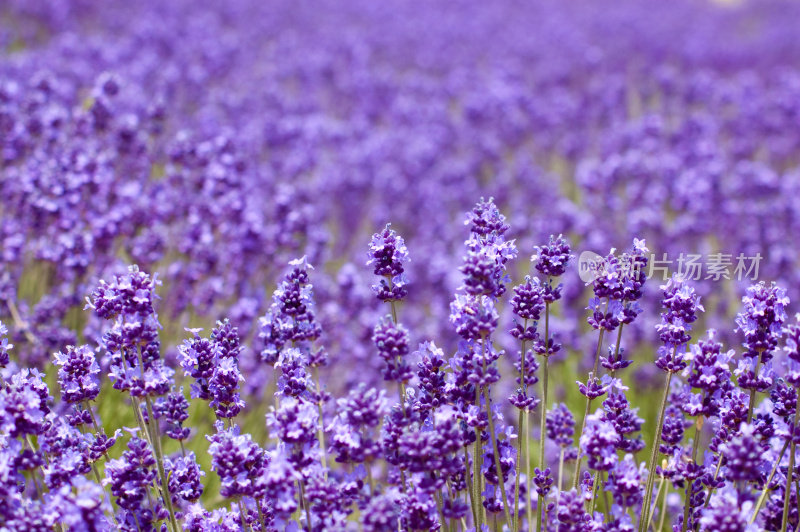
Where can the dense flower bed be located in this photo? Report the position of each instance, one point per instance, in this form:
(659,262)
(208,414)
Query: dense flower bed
(238,288)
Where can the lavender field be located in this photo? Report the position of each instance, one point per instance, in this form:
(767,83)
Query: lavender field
(399,265)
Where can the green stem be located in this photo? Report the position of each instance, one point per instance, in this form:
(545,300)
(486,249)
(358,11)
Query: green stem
(493,437)
(477,461)
(616,348)
(542,436)
(473,500)
(543,412)
(599,347)
(27,440)
(654,455)
(686,505)
(716,474)
(520,423)
(753,392)
(765,488)
(304,504)
(242,513)
(663,509)
(261,516)
(438,496)
(578,461)
(370,480)
(529,476)
(155,444)
(401,390)
(687,497)
(594,492)
(522,434)
(539,510)
(321,427)
(160,464)
(790,473)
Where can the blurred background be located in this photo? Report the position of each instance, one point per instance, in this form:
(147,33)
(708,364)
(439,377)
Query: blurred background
(212,142)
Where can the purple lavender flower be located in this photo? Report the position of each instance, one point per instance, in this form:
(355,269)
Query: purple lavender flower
(81,506)
(184,478)
(173,408)
(198,519)
(673,428)
(725,514)
(615,360)
(382,513)
(223,385)
(480,269)
(226,336)
(485,219)
(295,424)
(100,444)
(294,380)
(595,387)
(359,414)
(291,318)
(626,422)
(431,377)
(473,317)
(78,374)
(388,255)
(792,351)
(608,282)
(130,478)
(527,303)
(488,252)
(237,460)
(608,316)
(543,481)
(69,452)
(5,347)
(198,356)
(709,372)
(214,365)
(391,340)
(761,320)
(681,307)
(571,515)
(551,260)
(784,400)
(435,450)
(277,482)
(127,295)
(598,442)
(560,425)
(23,402)
(634,266)
(743,455)
(625,482)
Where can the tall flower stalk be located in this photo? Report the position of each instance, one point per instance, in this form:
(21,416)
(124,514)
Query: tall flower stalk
(527,304)
(475,317)
(134,352)
(682,306)
(551,262)
(760,321)
(792,351)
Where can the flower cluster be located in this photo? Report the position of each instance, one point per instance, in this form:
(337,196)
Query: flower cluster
(387,255)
